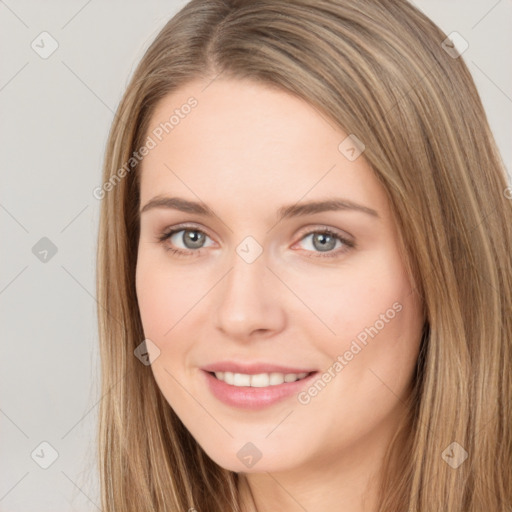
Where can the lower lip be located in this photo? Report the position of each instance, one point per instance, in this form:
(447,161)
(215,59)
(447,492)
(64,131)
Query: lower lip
(247,397)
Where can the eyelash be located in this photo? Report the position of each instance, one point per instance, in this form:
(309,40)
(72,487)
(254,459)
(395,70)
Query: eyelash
(185,253)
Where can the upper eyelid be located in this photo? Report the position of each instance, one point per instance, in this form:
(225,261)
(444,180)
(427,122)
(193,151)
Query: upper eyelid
(178,228)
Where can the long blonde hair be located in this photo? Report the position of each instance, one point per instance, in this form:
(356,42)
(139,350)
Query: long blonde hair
(377,70)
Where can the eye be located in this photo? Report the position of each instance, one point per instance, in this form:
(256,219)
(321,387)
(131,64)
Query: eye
(323,242)
(191,239)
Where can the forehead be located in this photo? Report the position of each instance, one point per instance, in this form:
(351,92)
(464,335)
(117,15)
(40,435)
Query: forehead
(251,141)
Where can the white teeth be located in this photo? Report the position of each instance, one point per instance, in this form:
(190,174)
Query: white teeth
(260,380)
(241,379)
(276,378)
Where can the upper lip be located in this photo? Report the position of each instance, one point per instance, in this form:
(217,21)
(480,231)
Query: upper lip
(253,368)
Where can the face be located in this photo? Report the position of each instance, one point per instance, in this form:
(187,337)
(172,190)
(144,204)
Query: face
(239,273)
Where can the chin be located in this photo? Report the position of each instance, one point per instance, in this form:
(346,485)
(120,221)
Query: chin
(248,457)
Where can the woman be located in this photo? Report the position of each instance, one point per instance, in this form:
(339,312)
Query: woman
(304,278)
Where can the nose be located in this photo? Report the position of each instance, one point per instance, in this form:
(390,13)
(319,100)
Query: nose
(248,302)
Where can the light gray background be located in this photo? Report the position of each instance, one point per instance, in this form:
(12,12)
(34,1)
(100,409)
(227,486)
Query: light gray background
(55,117)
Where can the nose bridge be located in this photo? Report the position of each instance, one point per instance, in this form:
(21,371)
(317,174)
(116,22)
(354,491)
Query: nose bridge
(247,300)
(245,283)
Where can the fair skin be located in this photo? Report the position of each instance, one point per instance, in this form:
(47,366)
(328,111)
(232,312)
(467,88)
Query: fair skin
(245,151)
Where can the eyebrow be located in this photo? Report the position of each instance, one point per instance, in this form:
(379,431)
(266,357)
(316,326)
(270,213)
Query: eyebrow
(294,210)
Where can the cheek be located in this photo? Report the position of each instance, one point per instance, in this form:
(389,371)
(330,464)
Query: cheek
(376,317)
(372,357)
(163,297)
(352,297)
(387,328)
(164,303)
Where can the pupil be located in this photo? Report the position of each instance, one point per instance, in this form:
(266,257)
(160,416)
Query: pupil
(195,238)
(327,242)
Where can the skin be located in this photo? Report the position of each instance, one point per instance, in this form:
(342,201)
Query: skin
(246,150)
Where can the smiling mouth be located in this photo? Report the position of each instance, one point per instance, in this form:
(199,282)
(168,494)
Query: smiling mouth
(259,380)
